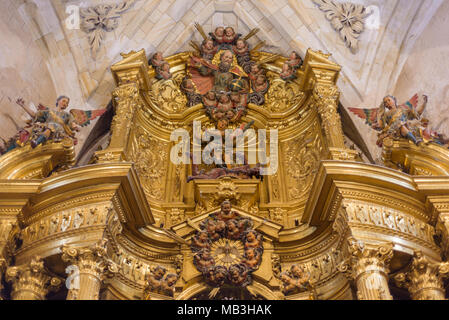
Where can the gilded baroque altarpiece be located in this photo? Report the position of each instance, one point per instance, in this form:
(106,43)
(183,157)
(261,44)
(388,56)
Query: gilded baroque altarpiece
(134,225)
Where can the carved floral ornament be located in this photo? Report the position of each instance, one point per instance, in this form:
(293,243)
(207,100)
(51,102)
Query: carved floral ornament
(348,19)
(98,20)
(226,249)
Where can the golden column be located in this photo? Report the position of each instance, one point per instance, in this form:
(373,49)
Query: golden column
(2,270)
(92,268)
(368,266)
(31,281)
(126,100)
(424,280)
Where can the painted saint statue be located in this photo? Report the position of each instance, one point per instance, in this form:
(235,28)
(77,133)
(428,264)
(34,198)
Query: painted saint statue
(55,124)
(403,121)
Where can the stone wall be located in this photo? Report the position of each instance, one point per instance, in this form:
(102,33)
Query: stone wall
(23,70)
(426,70)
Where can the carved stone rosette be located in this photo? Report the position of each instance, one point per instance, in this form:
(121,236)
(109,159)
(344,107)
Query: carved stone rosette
(93,267)
(424,280)
(368,267)
(31,281)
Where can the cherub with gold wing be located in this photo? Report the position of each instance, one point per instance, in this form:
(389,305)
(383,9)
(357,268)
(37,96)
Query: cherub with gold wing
(57,124)
(393,121)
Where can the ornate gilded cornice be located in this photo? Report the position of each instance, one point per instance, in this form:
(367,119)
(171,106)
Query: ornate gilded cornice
(27,163)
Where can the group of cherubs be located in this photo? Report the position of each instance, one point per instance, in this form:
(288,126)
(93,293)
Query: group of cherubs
(225,38)
(227,224)
(161,281)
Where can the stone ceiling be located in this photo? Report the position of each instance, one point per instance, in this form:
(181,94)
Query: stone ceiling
(41,58)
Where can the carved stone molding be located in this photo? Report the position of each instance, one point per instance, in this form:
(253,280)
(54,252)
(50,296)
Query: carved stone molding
(348,19)
(65,221)
(31,281)
(98,20)
(388,221)
(93,267)
(368,267)
(424,279)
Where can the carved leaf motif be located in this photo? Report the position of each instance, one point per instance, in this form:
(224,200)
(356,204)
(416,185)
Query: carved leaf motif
(282,95)
(95,21)
(346,18)
(150,157)
(301,162)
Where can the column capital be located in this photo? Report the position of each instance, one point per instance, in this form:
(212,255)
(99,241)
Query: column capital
(424,279)
(31,280)
(91,259)
(366,258)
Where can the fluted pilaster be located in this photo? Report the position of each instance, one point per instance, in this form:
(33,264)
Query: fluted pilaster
(31,281)
(368,267)
(424,280)
(89,268)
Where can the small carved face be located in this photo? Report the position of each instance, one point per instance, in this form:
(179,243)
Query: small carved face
(251,236)
(250,254)
(166,67)
(227,57)
(255,68)
(235,97)
(260,80)
(285,278)
(171,279)
(293,55)
(219,31)
(159,273)
(203,236)
(297,271)
(286,68)
(219,276)
(234,272)
(188,84)
(229,32)
(224,98)
(389,102)
(210,95)
(209,44)
(226,208)
(206,255)
(240,44)
(230,114)
(158,56)
(63,103)
(222,124)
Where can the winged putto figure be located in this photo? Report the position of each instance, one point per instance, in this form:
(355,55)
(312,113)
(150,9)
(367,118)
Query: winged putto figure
(52,124)
(403,121)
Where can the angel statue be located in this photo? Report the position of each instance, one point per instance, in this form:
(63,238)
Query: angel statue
(395,121)
(57,124)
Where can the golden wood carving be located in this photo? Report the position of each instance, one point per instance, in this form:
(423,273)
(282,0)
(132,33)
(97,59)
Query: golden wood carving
(424,279)
(321,212)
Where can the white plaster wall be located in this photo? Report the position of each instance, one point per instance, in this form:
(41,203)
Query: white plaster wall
(23,72)
(426,70)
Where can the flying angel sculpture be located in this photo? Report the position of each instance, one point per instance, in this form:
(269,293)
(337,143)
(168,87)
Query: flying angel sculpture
(393,121)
